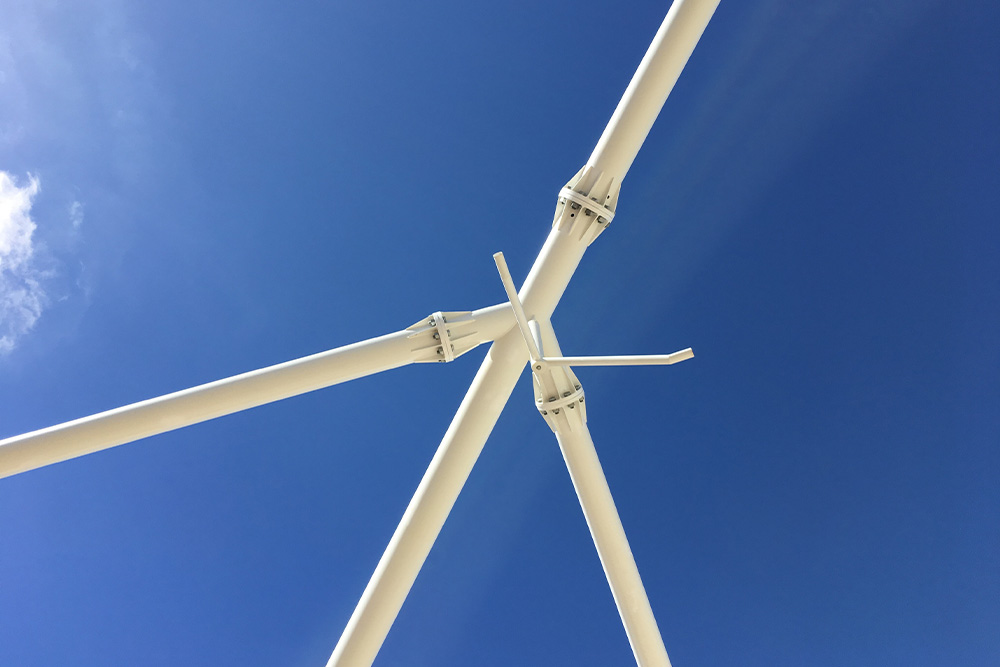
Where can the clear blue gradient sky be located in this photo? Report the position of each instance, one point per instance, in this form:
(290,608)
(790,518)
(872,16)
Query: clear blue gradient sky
(215,187)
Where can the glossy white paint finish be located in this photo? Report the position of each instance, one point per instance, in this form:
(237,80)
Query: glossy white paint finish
(623,360)
(653,80)
(431,504)
(598,182)
(606,528)
(544,286)
(222,397)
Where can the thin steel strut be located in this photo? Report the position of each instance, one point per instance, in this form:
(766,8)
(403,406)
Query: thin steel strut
(530,331)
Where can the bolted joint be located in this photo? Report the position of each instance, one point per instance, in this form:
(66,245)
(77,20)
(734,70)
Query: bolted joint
(443,337)
(586,205)
(559,397)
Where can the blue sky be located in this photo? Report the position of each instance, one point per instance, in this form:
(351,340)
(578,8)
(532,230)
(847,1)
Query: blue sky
(193,191)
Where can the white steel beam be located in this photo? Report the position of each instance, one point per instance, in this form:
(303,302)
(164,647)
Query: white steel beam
(623,360)
(653,80)
(586,206)
(569,423)
(240,392)
(453,462)
(558,259)
(432,502)
(605,525)
(515,304)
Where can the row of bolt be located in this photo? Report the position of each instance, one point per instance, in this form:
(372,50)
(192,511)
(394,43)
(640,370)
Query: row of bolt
(576,207)
(437,336)
(566,394)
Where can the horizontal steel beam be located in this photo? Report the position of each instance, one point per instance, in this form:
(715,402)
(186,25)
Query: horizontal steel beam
(623,360)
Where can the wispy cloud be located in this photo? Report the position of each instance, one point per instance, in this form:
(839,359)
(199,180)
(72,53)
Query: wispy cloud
(22,297)
(81,106)
(76,214)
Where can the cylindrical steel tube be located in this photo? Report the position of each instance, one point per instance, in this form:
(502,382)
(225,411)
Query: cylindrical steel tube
(542,289)
(431,504)
(653,80)
(222,397)
(612,546)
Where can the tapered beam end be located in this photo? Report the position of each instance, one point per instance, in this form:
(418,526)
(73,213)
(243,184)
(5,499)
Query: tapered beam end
(682,355)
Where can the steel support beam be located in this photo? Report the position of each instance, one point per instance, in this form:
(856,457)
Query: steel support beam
(450,468)
(425,516)
(606,528)
(653,80)
(240,392)
(540,293)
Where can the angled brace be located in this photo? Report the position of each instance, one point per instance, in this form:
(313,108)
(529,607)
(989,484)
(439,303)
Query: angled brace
(538,361)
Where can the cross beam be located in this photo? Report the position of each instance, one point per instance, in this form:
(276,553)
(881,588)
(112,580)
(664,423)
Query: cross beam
(519,331)
(577,223)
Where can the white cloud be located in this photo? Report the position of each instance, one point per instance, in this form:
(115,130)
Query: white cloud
(76,214)
(22,297)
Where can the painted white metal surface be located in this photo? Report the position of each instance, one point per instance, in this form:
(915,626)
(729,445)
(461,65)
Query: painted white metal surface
(540,293)
(559,398)
(240,392)
(431,504)
(585,208)
(515,304)
(623,359)
(653,80)
(606,528)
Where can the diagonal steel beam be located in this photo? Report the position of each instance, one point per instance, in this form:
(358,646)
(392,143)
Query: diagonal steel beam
(586,206)
(419,343)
